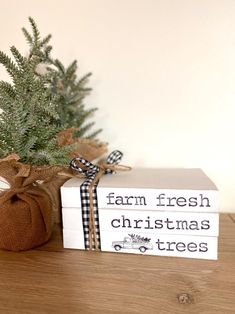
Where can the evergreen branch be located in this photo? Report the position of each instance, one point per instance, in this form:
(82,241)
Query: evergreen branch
(28,37)
(9,65)
(45,41)
(51,113)
(18,57)
(74,99)
(93,134)
(84,79)
(60,66)
(36,34)
(85,128)
(85,114)
(29,145)
(5,104)
(34,61)
(71,71)
(85,90)
(7,89)
(40,157)
(47,51)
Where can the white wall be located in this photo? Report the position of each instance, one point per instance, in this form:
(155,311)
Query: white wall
(163,75)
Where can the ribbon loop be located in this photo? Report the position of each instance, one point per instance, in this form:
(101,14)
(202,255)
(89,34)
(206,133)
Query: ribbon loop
(113,159)
(87,168)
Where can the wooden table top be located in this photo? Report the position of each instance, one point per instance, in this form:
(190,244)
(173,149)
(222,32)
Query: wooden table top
(51,279)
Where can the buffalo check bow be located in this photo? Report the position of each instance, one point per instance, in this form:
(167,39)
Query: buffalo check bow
(88,194)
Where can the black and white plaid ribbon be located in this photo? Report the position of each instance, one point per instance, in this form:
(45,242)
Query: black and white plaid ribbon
(90,171)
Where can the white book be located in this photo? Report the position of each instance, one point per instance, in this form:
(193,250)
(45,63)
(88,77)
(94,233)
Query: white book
(148,244)
(72,218)
(171,189)
(73,239)
(156,222)
(151,221)
(160,245)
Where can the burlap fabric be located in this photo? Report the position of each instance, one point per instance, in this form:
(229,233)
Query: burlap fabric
(86,148)
(26,207)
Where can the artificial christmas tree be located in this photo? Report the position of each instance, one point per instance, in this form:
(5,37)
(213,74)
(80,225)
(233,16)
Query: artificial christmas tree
(63,83)
(34,109)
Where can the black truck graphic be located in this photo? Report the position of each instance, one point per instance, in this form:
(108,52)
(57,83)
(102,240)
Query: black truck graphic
(133,241)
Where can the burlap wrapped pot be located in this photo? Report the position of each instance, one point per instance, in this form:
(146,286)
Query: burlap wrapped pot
(26,207)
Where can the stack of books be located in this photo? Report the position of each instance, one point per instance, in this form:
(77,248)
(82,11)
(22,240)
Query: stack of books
(166,212)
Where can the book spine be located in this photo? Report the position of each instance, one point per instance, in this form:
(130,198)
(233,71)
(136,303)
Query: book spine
(156,222)
(73,239)
(70,197)
(148,244)
(155,199)
(160,245)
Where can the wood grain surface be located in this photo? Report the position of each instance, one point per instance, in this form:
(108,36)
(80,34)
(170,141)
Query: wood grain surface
(51,280)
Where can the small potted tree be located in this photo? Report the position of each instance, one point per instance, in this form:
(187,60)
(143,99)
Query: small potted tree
(33,117)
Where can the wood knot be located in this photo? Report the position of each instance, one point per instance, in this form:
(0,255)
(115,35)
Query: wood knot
(185,298)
